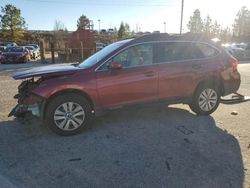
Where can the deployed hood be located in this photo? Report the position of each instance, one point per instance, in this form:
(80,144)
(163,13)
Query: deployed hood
(46,71)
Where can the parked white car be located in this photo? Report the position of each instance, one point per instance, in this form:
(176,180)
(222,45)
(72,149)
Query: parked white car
(34,53)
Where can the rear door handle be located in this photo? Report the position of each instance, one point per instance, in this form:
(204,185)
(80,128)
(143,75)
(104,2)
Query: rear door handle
(197,67)
(149,73)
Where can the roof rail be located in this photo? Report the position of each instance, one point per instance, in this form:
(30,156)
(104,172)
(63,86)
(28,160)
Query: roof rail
(166,37)
(152,36)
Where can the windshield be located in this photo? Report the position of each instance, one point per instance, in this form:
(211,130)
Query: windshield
(33,45)
(101,54)
(30,48)
(15,49)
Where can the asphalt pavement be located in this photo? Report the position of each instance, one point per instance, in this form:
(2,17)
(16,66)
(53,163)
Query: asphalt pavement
(143,146)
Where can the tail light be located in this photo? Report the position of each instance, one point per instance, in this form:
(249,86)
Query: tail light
(234,64)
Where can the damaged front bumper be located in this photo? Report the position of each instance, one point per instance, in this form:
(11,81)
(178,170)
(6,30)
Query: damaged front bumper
(27,100)
(21,109)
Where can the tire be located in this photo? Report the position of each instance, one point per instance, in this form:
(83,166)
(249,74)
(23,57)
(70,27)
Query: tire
(24,60)
(206,99)
(61,114)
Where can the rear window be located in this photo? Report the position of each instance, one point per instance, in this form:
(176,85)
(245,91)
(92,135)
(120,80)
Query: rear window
(207,50)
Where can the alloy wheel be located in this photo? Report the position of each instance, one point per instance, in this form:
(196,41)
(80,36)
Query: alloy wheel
(208,100)
(69,116)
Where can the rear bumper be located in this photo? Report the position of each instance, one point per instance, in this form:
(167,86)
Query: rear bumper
(232,85)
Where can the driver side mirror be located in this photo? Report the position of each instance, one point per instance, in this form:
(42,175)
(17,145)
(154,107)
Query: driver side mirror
(115,66)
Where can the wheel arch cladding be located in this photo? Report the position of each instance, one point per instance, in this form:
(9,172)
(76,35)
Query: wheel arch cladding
(215,81)
(67,91)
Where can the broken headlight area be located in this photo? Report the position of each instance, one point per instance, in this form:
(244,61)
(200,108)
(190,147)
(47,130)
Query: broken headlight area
(27,101)
(25,89)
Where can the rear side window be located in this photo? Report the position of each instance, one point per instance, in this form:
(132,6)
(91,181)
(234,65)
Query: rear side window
(177,51)
(207,50)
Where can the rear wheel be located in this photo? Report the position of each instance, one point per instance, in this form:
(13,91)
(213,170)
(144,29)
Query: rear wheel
(206,99)
(68,114)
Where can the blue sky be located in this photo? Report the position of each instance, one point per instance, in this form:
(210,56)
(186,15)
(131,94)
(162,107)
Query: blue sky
(149,15)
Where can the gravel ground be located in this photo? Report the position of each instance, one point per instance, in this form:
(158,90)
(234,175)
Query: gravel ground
(146,146)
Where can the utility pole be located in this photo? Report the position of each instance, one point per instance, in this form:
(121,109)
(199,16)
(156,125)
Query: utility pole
(164,27)
(182,6)
(99,24)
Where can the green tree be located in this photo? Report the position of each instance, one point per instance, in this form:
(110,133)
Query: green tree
(121,31)
(225,35)
(241,26)
(215,30)
(83,22)
(12,23)
(195,24)
(127,28)
(124,30)
(207,25)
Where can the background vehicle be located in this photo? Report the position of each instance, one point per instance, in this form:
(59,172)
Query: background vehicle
(37,49)
(11,44)
(235,50)
(99,46)
(161,68)
(8,44)
(2,49)
(15,55)
(33,52)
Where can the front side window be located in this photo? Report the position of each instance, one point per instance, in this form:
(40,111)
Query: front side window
(139,55)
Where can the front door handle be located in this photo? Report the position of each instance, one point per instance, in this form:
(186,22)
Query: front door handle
(197,67)
(149,73)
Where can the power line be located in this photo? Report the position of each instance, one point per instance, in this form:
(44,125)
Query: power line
(104,4)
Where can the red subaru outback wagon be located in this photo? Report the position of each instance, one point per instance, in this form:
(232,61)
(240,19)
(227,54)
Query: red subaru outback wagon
(156,67)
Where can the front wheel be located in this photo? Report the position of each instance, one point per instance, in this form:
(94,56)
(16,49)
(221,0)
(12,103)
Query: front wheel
(68,114)
(206,99)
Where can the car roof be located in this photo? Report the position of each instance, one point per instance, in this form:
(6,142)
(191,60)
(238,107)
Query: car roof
(165,37)
(15,47)
(33,45)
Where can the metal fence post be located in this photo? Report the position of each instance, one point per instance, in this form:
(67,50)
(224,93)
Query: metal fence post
(81,51)
(52,52)
(42,51)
